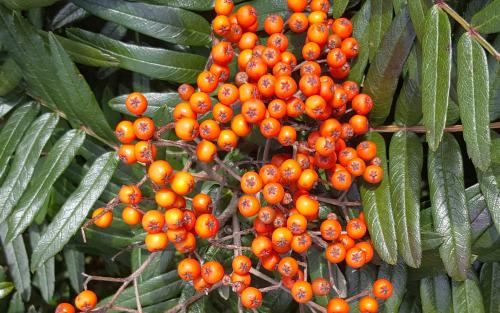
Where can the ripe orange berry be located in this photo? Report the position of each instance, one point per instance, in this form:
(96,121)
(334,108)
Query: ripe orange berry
(335,253)
(185,91)
(174,218)
(356,229)
(209,130)
(321,287)
(145,152)
(126,153)
(297,5)
(182,183)
(187,128)
(189,269)
(307,206)
(359,124)
(223,7)
(318,33)
(273,193)
(337,305)
(251,182)
(373,174)
(273,24)
(212,272)
(125,132)
(336,58)
(270,127)
(159,172)
(136,103)
(176,235)
(165,198)
(227,140)
(290,170)
(262,246)
(222,53)
(206,151)
(271,261)
(200,284)
(221,25)
(65,308)
(301,243)
(131,216)
(366,150)
(330,229)
(188,245)
(241,265)
(285,87)
(350,47)
(86,300)
(201,204)
(246,16)
(342,27)
(281,237)
(130,194)
(251,298)
(183,109)
(222,113)
(368,304)
(228,94)
(105,220)
(341,180)
(207,82)
(311,51)
(382,289)
(153,221)
(302,291)
(346,241)
(207,225)
(298,22)
(355,257)
(317,17)
(287,136)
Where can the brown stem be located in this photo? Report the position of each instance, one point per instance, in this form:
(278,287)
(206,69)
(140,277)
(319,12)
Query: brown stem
(196,297)
(110,206)
(137,296)
(229,211)
(359,295)
(338,202)
(421,128)
(227,168)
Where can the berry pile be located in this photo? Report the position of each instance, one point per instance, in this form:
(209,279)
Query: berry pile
(316,117)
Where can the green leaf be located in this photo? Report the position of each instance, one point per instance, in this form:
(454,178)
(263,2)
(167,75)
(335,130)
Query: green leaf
(436,74)
(378,208)
(360,31)
(449,206)
(398,276)
(339,8)
(405,168)
(489,282)
(45,274)
(75,264)
(25,159)
(5,289)
(68,14)
(70,217)
(383,75)
(194,5)
(494,69)
(467,296)
(13,132)
(17,261)
(380,21)
(161,22)
(26,4)
(489,181)
(435,293)
(16,304)
(487,20)
(418,12)
(158,265)
(359,280)
(154,62)
(10,101)
(267,7)
(156,102)
(473,99)
(32,200)
(10,76)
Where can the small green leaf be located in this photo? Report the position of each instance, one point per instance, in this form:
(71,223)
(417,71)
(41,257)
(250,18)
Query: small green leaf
(68,14)
(487,20)
(473,99)
(161,22)
(489,181)
(436,74)
(435,293)
(398,276)
(45,274)
(405,168)
(156,102)
(5,289)
(25,159)
(16,304)
(378,208)
(26,4)
(158,265)
(58,159)
(154,62)
(494,70)
(10,76)
(194,5)
(71,215)
(489,282)
(13,131)
(360,30)
(418,12)
(467,296)
(75,264)
(380,21)
(383,75)
(10,101)
(339,8)
(449,206)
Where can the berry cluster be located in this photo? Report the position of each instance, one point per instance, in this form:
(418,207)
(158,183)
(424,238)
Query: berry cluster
(307,108)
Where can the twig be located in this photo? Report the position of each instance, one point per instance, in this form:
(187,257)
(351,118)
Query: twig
(421,128)
(267,147)
(237,235)
(359,295)
(196,297)
(226,168)
(137,296)
(110,206)
(229,211)
(338,202)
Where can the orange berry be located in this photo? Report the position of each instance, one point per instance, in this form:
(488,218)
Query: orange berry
(302,291)
(126,153)
(130,194)
(145,152)
(86,300)
(373,174)
(355,257)
(246,16)
(273,24)
(368,304)
(251,298)
(187,129)
(337,305)
(125,132)
(153,221)
(131,216)
(64,308)
(342,27)
(382,289)
(297,5)
(189,269)
(359,124)
(201,204)
(298,22)
(227,140)
(355,228)
(335,253)
(262,246)
(223,7)
(321,287)
(182,183)
(341,180)
(136,103)
(105,220)
(241,265)
(212,272)
(251,182)
(307,206)
(207,225)
(330,229)
(159,172)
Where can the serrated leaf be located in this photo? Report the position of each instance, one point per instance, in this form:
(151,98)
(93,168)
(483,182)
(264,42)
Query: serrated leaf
(26,4)
(156,102)
(489,282)
(24,162)
(360,30)
(17,261)
(473,99)
(161,22)
(195,5)
(68,14)
(378,208)
(405,168)
(380,21)
(398,276)
(435,293)
(154,62)
(75,265)
(383,76)
(487,20)
(13,131)
(45,274)
(6,288)
(58,159)
(467,296)
(489,181)
(72,214)
(10,76)
(11,101)
(436,74)
(449,206)
(16,304)
(418,12)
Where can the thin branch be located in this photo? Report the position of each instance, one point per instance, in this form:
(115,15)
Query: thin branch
(421,128)
(196,297)
(359,295)
(337,202)
(110,206)
(137,296)
(227,168)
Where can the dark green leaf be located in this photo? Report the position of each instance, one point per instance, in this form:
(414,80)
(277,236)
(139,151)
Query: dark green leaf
(418,12)
(405,168)
(10,76)
(17,261)
(467,296)
(378,208)
(397,275)
(13,131)
(409,102)
(25,159)
(494,69)
(489,281)
(154,62)
(195,5)
(487,20)
(68,14)
(339,8)
(58,159)
(156,102)
(435,293)
(16,304)
(158,265)
(70,217)
(449,206)
(10,101)
(162,22)
(267,7)
(359,280)
(45,274)
(26,4)
(436,74)
(75,264)
(489,181)
(383,75)
(161,307)
(361,31)
(380,21)
(473,99)
(5,289)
